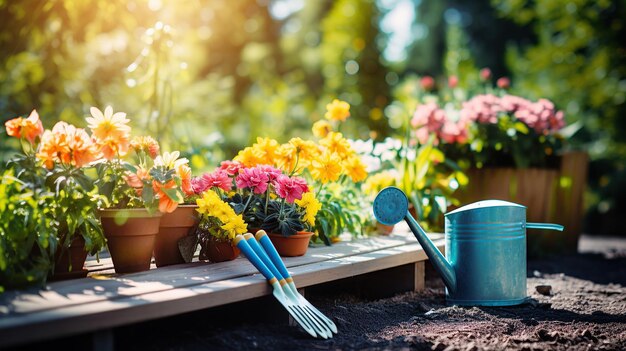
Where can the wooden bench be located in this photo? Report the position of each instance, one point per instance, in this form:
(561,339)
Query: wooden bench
(105,300)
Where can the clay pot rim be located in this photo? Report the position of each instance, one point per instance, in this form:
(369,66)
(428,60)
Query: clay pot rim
(188,206)
(299,235)
(132,212)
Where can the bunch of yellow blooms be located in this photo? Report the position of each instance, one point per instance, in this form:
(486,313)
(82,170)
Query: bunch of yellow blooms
(326,160)
(213,209)
(311,206)
(377,182)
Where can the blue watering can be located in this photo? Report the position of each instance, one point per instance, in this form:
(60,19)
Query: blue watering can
(485,248)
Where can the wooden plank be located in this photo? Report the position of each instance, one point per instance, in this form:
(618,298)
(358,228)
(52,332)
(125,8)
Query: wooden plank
(143,303)
(420,273)
(111,286)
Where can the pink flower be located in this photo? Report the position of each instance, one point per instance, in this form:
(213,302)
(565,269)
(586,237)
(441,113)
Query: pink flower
(454,132)
(253,178)
(428,118)
(482,108)
(512,103)
(272,172)
(427,83)
(291,189)
(485,74)
(199,185)
(218,179)
(231,167)
(503,83)
(453,81)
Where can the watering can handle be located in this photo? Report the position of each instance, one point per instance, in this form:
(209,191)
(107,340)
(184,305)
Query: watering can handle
(550,226)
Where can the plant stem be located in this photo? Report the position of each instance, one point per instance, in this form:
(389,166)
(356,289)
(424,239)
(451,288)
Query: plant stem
(247,203)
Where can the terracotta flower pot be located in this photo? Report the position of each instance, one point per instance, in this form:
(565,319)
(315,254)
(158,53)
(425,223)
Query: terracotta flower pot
(290,246)
(219,251)
(76,255)
(174,226)
(384,229)
(130,234)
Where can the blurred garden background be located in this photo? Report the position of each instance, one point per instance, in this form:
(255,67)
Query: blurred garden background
(208,76)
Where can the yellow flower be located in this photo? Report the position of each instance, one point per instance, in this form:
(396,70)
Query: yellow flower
(208,203)
(265,150)
(336,143)
(307,151)
(211,205)
(248,157)
(321,128)
(337,110)
(311,206)
(286,156)
(355,168)
(233,225)
(326,168)
(377,182)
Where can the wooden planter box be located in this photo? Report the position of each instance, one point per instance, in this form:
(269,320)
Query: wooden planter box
(550,195)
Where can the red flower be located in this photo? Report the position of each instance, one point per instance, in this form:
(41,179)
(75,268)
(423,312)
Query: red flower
(485,74)
(427,83)
(503,83)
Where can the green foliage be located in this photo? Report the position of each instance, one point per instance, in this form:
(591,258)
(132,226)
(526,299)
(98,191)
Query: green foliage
(75,208)
(342,211)
(285,220)
(579,61)
(28,233)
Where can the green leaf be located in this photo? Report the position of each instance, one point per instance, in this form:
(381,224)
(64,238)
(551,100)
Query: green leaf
(147,195)
(174,194)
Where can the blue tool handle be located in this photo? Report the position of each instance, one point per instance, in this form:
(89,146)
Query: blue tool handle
(550,226)
(242,244)
(262,237)
(262,255)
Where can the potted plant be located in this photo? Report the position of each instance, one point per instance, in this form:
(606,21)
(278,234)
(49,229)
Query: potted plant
(66,151)
(281,205)
(134,195)
(181,222)
(219,224)
(54,161)
(331,168)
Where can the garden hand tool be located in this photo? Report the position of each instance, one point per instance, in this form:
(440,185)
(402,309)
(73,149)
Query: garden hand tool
(318,325)
(269,248)
(485,248)
(278,293)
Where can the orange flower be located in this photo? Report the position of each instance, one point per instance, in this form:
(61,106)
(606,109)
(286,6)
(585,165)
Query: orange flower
(166,205)
(135,180)
(337,110)
(184,172)
(28,128)
(110,130)
(146,144)
(68,145)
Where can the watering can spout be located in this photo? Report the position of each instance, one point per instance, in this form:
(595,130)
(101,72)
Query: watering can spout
(392,206)
(435,256)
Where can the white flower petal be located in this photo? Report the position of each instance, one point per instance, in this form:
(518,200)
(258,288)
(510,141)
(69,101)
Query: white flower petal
(108,112)
(96,113)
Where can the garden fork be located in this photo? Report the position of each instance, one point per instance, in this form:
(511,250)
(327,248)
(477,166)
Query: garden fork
(270,250)
(278,292)
(317,324)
